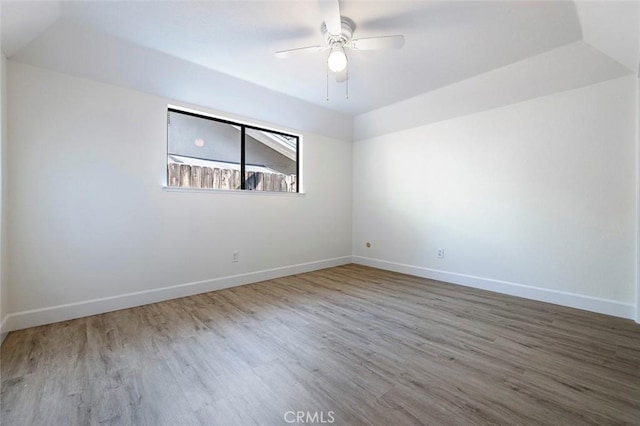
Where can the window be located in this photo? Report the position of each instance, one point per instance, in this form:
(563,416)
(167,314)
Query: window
(212,153)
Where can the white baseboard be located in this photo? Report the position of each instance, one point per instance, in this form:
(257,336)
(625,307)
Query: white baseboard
(3,333)
(35,317)
(572,300)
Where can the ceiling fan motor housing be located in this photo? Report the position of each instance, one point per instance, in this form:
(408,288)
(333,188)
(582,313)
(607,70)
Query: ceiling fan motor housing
(344,37)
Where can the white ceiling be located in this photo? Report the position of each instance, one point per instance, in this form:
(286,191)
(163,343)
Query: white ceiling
(446,41)
(613,28)
(24,21)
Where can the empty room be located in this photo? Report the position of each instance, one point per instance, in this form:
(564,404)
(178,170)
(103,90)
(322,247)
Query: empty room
(350,212)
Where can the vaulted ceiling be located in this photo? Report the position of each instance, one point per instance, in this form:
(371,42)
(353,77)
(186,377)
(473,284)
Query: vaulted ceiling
(446,41)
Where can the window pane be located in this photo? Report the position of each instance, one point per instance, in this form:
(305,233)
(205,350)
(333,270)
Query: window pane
(270,161)
(203,152)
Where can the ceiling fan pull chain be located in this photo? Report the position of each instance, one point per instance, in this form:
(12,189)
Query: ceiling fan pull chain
(327,84)
(347,83)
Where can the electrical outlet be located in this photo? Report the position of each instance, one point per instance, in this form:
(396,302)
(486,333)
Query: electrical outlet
(440,253)
(235,256)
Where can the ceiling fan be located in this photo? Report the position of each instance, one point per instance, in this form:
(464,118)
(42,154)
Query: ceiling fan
(338,31)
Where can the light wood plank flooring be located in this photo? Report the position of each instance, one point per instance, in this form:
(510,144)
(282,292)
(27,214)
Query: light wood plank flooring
(369,346)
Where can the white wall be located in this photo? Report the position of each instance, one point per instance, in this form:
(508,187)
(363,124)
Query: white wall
(535,199)
(638,196)
(4,290)
(90,220)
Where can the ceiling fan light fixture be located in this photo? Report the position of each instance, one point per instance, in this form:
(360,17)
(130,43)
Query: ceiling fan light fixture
(337,60)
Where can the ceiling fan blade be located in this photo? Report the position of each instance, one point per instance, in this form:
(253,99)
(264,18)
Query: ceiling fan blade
(290,52)
(342,76)
(331,14)
(377,43)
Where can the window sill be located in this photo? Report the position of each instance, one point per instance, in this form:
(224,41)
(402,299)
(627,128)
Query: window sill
(233,191)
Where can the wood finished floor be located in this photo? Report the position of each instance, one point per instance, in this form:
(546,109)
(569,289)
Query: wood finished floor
(373,347)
